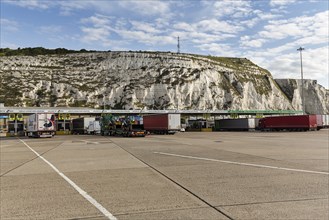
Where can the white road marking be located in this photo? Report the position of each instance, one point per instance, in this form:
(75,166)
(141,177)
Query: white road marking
(88,142)
(75,186)
(243,164)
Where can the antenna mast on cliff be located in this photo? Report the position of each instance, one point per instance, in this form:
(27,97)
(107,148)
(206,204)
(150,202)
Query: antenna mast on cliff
(178,45)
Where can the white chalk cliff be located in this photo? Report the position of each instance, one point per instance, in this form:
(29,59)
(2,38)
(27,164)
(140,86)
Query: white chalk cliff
(149,80)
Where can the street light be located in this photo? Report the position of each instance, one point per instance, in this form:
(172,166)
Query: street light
(300,49)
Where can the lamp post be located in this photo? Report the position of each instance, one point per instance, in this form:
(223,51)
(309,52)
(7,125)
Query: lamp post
(300,49)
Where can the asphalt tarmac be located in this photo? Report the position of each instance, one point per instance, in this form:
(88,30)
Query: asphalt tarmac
(191,175)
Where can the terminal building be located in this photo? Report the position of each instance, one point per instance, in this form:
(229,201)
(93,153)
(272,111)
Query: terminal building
(13,119)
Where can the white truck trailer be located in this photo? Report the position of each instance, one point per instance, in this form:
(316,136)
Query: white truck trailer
(41,125)
(94,127)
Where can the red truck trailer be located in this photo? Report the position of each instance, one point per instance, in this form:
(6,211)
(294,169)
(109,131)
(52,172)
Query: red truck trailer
(162,123)
(290,123)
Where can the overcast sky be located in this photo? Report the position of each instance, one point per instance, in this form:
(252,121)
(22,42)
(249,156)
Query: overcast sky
(268,32)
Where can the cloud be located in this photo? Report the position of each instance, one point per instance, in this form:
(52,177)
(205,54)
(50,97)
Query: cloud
(281,31)
(315,63)
(205,31)
(145,7)
(99,30)
(51,29)
(307,27)
(236,8)
(290,33)
(258,16)
(303,30)
(148,8)
(145,38)
(216,26)
(266,15)
(71,7)
(217,49)
(146,27)
(31,4)
(251,22)
(9,25)
(184,26)
(245,41)
(97,20)
(95,34)
(67,7)
(275,3)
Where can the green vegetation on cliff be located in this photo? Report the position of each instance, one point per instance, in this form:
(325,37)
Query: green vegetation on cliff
(34,51)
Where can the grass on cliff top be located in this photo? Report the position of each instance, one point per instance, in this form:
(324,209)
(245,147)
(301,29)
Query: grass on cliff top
(235,62)
(231,62)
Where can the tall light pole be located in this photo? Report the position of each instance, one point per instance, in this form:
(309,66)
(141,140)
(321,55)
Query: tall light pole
(104,81)
(301,72)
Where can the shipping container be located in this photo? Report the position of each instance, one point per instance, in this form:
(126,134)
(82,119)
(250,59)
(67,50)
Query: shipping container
(41,125)
(80,125)
(162,123)
(291,123)
(239,124)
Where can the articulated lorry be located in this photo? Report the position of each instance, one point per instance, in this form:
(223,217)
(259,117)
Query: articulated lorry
(41,125)
(289,123)
(162,123)
(128,126)
(80,125)
(238,124)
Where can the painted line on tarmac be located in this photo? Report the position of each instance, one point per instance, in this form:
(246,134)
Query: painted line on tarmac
(90,142)
(243,164)
(85,141)
(75,186)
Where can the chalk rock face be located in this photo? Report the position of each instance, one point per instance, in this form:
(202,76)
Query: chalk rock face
(149,80)
(316,97)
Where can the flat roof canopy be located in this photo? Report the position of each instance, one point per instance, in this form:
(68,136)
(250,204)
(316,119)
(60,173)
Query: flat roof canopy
(31,110)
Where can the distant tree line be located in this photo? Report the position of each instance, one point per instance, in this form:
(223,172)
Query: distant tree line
(34,51)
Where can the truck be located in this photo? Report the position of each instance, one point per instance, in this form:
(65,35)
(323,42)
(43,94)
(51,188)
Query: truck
(238,124)
(322,121)
(41,125)
(325,120)
(80,125)
(124,126)
(319,122)
(288,123)
(162,123)
(94,127)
